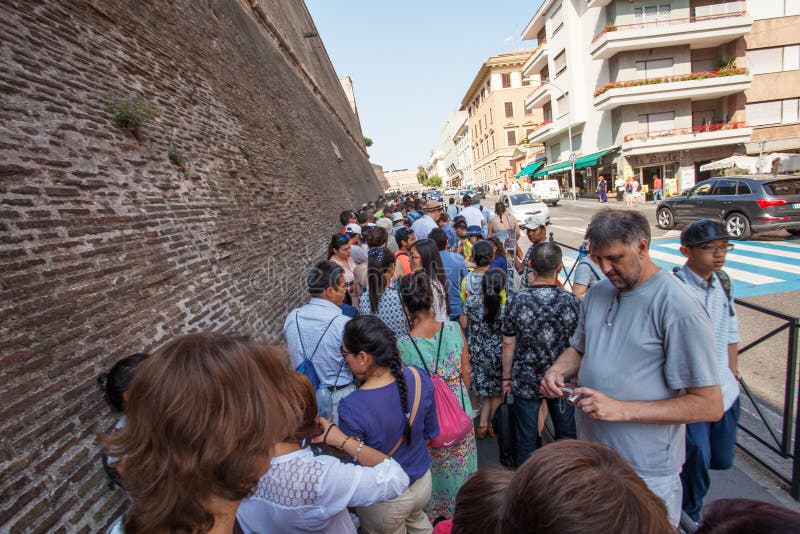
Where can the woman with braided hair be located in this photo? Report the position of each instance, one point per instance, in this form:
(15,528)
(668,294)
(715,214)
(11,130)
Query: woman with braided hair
(440,348)
(393,412)
(381,297)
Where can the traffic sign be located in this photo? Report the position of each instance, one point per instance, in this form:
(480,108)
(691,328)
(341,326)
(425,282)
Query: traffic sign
(573,157)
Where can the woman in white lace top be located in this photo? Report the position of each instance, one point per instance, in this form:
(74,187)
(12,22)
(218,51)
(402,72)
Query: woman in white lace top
(305,493)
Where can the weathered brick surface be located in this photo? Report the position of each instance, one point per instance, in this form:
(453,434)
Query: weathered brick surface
(107,248)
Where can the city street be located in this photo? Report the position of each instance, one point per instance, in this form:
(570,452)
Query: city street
(765,271)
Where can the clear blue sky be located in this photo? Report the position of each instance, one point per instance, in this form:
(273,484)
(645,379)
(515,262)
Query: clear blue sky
(412,61)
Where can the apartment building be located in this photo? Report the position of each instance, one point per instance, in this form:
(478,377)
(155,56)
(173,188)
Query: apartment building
(456,151)
(497,116)
(436,165)
(773,58)
(647,88)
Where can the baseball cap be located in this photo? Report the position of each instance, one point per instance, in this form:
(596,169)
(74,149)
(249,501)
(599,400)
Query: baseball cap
(535,221)
(353,228)
(474,230)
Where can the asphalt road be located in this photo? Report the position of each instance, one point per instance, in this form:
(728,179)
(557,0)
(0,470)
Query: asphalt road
(764,366)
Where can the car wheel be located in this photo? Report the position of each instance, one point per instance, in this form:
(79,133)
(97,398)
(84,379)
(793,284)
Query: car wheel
(737,226)
(554,203)
(664,219)
(794,231)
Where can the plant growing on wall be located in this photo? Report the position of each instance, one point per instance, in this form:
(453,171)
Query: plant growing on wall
(130,114)
(367,141)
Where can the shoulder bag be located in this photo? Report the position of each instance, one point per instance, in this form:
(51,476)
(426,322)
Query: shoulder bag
(414,408)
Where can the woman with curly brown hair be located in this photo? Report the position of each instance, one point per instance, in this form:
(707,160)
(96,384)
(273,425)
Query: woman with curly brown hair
(302,492)
(203,415)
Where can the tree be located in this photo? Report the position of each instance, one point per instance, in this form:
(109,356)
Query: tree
(433,181)
(421,174)
(367,141)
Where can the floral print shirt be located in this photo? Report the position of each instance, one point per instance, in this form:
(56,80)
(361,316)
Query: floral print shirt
(542,319)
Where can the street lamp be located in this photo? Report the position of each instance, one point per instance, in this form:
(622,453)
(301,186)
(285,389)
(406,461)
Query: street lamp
(569,129)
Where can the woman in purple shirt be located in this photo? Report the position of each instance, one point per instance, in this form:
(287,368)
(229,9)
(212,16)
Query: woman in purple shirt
(381,413)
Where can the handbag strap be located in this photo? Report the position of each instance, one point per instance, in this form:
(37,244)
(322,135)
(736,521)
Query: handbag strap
(438,351)
(417,394)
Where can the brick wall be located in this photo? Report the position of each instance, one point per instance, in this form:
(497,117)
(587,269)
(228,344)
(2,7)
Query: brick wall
(108,248)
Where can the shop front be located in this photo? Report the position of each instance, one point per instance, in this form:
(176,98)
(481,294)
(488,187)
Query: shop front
(646,168)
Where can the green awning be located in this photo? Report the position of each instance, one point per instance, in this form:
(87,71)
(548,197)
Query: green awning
(541,173)
(530,169)
(590,159)
(561,166)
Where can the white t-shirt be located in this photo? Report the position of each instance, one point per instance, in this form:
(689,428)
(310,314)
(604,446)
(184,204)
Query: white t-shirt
(305,493)
(473,216)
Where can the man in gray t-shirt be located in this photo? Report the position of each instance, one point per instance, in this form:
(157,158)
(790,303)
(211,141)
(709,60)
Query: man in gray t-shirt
(642,339)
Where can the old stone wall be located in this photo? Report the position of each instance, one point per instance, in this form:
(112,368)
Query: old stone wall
(111,243)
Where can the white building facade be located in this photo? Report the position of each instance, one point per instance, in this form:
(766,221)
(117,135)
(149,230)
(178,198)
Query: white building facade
(455,149)
(648,88)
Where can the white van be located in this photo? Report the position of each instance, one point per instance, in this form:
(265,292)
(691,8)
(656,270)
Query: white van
(546,190)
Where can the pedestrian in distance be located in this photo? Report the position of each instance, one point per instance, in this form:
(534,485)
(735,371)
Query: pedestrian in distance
(472,214)
(711,445)
(446,226)
(535,227)
(504,226)
(423,225)
(601,190)
(455,269)
(381,297)
(425,258)
(452,208)
(537,326)
(405,240)
(638,388)
(658,191)
(339,253)
(587,273)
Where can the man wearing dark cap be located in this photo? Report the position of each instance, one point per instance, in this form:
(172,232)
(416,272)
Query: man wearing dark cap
(705,244)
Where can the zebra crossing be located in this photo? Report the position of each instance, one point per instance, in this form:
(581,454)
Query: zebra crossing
(756,267)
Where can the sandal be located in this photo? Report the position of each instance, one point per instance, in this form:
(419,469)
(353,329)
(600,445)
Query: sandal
(482,431)
(490,431)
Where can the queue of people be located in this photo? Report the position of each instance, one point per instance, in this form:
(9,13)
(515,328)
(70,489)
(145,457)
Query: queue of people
(334,431)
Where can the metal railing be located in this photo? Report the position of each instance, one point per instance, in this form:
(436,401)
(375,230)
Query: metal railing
(786,442)
(666,22)
(694,130)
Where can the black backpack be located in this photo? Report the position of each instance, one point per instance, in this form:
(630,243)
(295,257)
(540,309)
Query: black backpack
(724,280)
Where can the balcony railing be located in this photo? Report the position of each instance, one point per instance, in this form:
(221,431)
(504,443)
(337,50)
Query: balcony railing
(540,125)
(715,127)
(536,89)
(687,20)
(667,79)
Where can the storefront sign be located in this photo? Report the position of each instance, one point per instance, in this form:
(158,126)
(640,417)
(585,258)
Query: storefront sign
(652,159)
(670,187)
(687,178)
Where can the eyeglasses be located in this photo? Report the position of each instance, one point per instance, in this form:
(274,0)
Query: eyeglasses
(346,353)
(609,318)
(722,249)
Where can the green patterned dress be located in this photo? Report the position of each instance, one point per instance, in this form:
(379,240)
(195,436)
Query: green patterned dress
(451,466)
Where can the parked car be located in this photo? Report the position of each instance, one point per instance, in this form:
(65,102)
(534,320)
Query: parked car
(546,190)
(523,204)
(435,195)
(745,204)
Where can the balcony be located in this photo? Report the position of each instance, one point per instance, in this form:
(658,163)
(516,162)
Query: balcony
(598,3)
(537,61)
(537,97)
(709,135)
(694,86)
(699,32)
(544,127)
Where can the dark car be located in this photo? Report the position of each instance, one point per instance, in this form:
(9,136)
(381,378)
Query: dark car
(744,204)
(435,195)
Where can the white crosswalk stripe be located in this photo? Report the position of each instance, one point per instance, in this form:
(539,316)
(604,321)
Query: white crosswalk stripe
(761,250)
(736,274)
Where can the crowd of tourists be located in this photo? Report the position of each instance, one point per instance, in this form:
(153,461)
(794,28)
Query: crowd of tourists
(423,325)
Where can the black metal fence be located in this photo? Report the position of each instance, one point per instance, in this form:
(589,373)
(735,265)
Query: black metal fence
(783,443)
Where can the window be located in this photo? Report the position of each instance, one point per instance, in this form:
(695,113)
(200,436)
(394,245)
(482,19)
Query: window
(511,137)
(506,80)
(776,59)
(560,62)
(509,106)
(657,122)
(563,105)
(725,187)
(654,13)
(547,112)
(555,152)
(491,117)
(556,21)
(773,112)
(577,141)
(653,68)
(525,81)
(492,140)
(702,190)
(719,9)
(528,111)
(743,189)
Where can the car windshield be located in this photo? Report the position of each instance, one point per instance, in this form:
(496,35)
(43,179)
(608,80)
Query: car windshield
(784,188)
(435,193)
(522,198)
